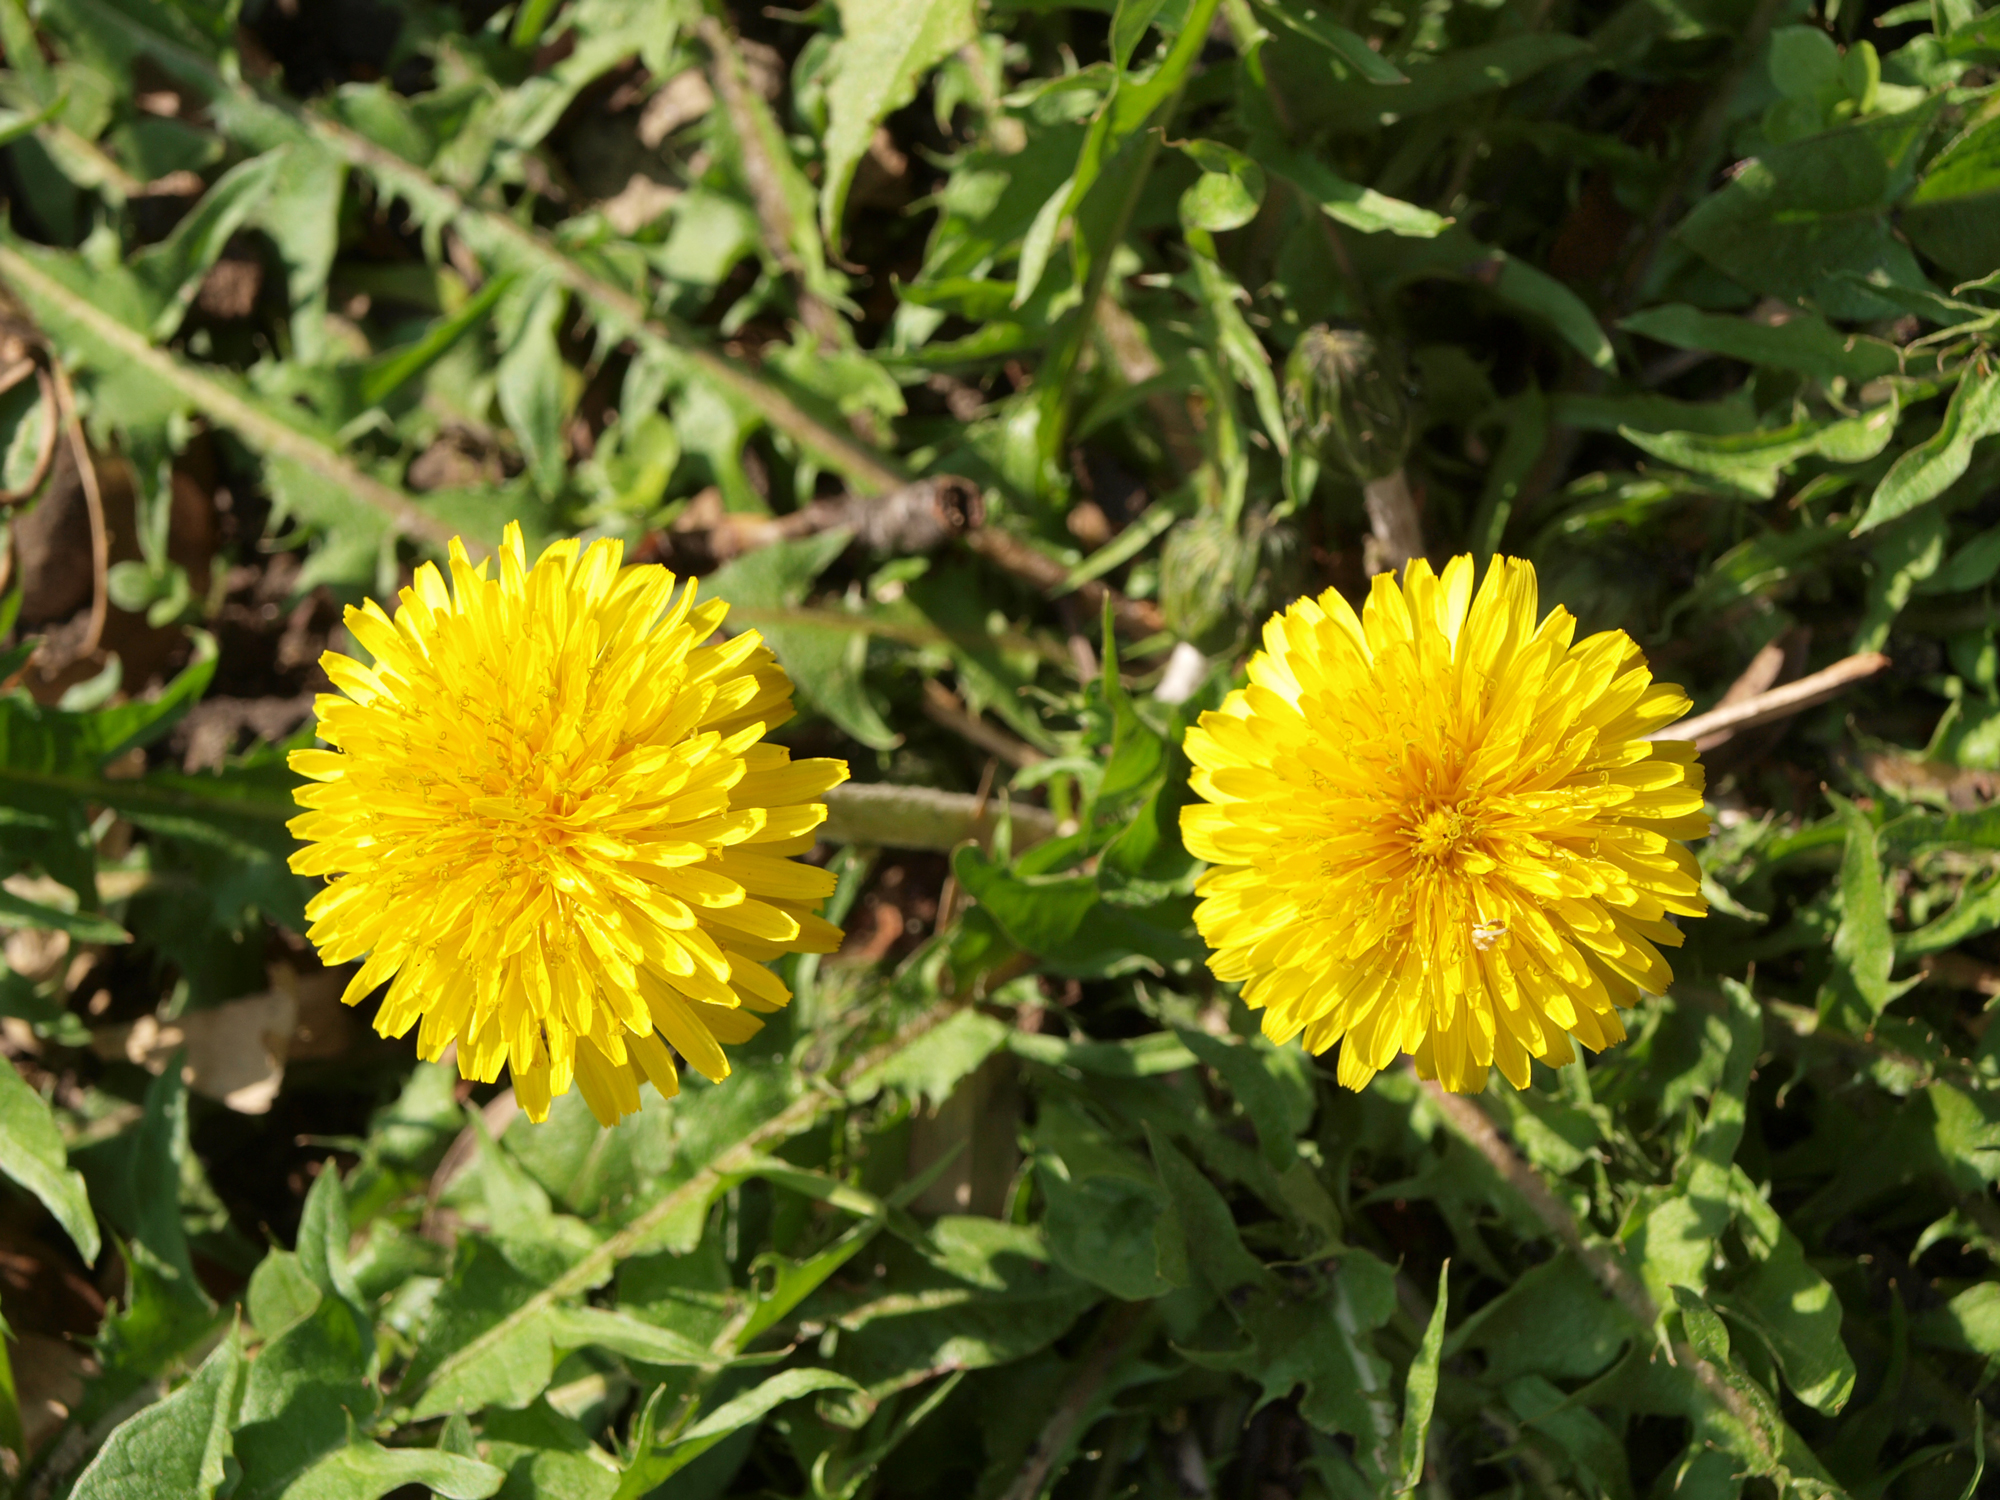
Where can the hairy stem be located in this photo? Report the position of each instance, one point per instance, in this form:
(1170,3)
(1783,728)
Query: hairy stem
(877,815)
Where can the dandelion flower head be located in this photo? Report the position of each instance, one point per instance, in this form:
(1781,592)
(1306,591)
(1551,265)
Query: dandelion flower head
(1439,828)
(553,827)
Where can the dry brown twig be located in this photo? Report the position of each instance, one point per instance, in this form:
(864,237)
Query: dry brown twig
(1772,665)
(773,212)
(93,499)
(916,518)
(1136,617)
(1727,720)
(943,706)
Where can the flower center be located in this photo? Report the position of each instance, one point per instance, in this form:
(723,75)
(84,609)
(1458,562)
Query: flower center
(1444,833)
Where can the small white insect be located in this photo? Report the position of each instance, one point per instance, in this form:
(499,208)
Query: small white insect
(1488,933)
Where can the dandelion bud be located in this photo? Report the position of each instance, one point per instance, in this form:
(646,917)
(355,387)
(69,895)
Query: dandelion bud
(1348,402)
(1199,568)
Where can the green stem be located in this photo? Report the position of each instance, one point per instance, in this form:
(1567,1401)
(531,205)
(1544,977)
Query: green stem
(877,815)
(148,797)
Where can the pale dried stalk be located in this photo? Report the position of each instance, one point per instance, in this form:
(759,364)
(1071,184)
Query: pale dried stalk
(1136,617)
(1766,671)
(774,214)
(916,518)
(943,706)
(93,503)
(1395,533)
(1730,719)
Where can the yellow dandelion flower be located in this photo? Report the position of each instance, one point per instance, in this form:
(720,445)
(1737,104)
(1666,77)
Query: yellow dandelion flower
(553,828)
(1439,828)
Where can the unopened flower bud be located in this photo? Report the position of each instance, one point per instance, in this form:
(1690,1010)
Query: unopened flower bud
(1198,575)
(1348,402)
